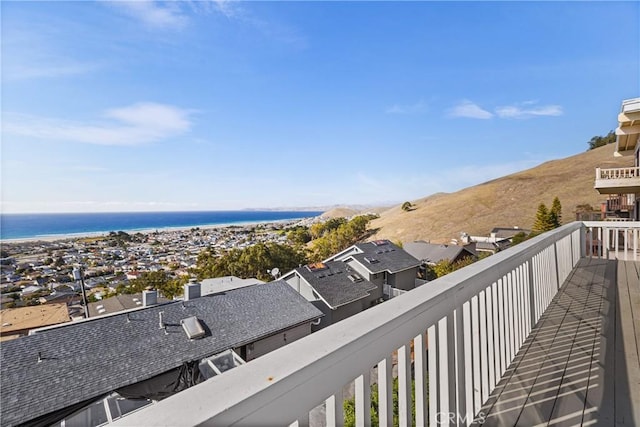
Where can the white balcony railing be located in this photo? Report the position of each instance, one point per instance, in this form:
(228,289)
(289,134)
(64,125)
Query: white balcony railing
(463,329)
(617,173)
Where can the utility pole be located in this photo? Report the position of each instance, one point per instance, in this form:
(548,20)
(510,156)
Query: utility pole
(77,276)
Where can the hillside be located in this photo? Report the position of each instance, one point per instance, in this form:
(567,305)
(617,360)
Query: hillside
(508,201)
(348,211)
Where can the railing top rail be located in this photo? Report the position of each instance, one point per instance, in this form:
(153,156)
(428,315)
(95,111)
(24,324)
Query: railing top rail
(619,169)
(314,365)
(612,224)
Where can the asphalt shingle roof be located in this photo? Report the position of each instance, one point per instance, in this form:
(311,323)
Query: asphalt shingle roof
(87,359)
(118,303)
(389,257)
(433,253)
(334,285)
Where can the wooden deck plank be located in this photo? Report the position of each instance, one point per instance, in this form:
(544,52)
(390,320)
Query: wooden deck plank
(627,380)
(569,406)
(581,363)
(565,397)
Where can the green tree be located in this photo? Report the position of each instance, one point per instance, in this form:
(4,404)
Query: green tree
(299,236)
(518,238)
(599,141)
(543,221)
(340,238)
(253,261)
(556,213)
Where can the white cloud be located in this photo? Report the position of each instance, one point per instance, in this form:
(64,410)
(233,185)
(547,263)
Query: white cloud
(417,108)
(469,110)
(173,14)
(227,7)
(33,53)
(519,111)
(132,125)
(168,15)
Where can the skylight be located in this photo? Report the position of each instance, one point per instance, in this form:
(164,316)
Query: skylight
(380,242)
(192,327)
(355,277)
(371,260)
(317,266)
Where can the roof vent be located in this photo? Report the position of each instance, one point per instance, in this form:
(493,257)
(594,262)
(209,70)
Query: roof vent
(191,291)
(192,327)
(149,298)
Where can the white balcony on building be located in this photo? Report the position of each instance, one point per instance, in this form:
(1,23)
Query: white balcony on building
(544,333)
(618,180)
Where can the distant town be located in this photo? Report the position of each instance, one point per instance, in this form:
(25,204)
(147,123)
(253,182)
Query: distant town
(36,271)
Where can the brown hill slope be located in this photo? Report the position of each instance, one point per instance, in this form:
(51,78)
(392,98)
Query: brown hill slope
(504,202)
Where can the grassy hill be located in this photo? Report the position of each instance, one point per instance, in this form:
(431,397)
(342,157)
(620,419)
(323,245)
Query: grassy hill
(504,202)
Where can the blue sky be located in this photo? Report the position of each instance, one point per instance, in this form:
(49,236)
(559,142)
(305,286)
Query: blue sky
(206,105)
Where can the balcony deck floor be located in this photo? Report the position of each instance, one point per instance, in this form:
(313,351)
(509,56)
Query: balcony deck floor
(581,363)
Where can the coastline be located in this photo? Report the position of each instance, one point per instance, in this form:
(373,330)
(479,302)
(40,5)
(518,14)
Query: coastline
(98,234)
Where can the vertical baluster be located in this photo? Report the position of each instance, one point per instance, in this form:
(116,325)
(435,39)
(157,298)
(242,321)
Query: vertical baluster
(484,371)
(468,361)
(503,326)
(432,335)
(363,399)
(404,386)
(335,410)
(420,372)
(477,376)
(385,392)
(490,332)
(496,334)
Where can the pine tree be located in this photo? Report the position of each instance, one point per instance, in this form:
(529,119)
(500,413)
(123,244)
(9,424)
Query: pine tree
(543,220)
(556,213)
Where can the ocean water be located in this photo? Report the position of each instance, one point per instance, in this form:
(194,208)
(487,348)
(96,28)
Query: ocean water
(20,226)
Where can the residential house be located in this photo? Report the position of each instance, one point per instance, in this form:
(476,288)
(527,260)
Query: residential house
(335,288)
(17,322)
(149,353)
(382,263)
(225,283)
(430,253)
(123,302)
(622,185)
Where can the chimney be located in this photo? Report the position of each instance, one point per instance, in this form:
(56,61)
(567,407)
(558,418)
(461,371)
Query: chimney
(149,298)
(191,290)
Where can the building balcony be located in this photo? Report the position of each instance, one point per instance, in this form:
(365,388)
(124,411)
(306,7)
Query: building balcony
(541,333)
(618,180)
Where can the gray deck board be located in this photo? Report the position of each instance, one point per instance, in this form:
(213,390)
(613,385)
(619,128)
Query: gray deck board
(581,363)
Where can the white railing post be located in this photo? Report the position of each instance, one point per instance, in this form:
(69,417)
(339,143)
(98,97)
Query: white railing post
(420,373)
(334,410)
(404,386)
(434,404)
(467,332)
(363,399)
(385,392)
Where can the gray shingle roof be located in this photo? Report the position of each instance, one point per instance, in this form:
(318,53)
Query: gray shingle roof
(89,358)
(433,253)
(389,257)
(508,232)
(118,303)
(334,285)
